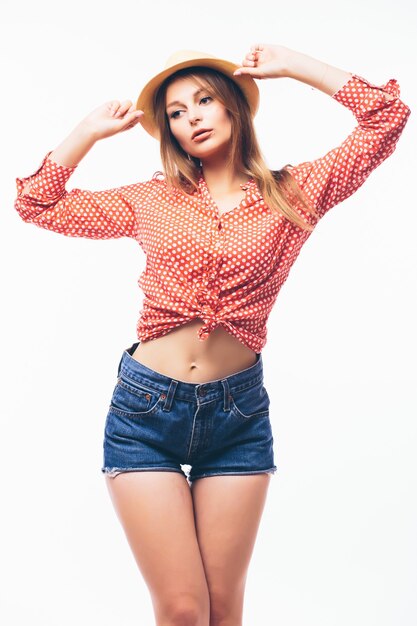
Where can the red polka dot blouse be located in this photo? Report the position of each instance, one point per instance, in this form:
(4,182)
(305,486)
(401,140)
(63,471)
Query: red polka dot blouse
(226,269)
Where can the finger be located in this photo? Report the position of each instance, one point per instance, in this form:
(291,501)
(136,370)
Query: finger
(132,119)
(249,59)
(113,105)
(140,116)
(124,107)
(251,71)
(252,56)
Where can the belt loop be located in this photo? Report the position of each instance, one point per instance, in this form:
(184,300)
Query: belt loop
(227,396)
(170,395)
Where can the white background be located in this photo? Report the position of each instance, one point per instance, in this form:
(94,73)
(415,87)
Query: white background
(337,543)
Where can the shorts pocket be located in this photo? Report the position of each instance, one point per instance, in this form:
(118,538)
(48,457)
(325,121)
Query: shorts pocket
(133,399)
(250,402)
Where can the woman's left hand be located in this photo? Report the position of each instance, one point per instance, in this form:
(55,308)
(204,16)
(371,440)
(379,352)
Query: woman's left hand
(265,61)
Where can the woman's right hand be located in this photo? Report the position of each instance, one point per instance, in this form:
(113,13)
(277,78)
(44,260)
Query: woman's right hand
(111,118)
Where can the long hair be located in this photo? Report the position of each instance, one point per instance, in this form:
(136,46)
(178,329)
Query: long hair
(278,188)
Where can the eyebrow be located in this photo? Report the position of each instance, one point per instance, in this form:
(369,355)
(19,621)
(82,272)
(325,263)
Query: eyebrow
(178,102)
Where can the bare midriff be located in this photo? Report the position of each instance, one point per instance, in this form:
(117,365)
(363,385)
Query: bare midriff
(181,355)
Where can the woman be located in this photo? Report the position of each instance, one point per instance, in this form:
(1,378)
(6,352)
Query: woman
(220,232)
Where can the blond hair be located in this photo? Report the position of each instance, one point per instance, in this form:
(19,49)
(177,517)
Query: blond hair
(277,187)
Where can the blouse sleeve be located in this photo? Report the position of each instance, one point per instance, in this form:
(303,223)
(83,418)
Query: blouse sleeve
(381,117)
(78,213)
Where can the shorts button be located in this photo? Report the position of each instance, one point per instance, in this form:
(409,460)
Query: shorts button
(203,392)
(163,396)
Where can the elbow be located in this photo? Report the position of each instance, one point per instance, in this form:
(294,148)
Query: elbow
(400,115)
(397,125)
(27,208)
(406,112)
(23,210)
(400,121)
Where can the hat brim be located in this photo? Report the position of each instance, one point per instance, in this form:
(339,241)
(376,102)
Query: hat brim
(145,100)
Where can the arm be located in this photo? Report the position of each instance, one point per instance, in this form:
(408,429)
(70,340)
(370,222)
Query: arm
(269,61)
(380,114)
(381,117)
(43,200)
(70,152)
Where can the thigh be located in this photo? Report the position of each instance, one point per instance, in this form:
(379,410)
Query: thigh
(156,512)
(228,510)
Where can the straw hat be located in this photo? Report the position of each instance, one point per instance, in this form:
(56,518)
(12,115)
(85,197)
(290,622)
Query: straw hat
(190,58)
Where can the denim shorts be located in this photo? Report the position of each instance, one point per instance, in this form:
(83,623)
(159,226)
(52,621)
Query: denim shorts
(216,428)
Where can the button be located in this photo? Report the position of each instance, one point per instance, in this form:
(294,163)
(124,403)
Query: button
(163,396)
(203,392)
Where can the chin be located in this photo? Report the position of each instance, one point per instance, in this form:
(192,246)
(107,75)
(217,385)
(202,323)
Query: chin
(223,148)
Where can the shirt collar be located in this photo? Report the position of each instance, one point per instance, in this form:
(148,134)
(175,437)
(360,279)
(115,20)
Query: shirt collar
(250,187)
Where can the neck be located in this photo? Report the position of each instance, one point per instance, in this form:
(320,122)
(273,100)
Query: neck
(220,177)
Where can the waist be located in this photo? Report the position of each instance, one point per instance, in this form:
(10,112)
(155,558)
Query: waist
(135,369)
(182,355)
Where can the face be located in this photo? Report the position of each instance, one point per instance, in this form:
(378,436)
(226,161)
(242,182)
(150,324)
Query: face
(190,108)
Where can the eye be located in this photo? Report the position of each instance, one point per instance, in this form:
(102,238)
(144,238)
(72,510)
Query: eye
(174,114)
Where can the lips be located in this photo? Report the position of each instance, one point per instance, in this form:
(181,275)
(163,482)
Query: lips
(201,131)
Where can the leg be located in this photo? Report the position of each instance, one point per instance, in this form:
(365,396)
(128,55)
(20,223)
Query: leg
(156,512)
(228,511)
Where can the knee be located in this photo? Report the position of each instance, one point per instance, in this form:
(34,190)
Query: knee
(220,617)
(185,616)
(224,619)
(225,609)
(186,611)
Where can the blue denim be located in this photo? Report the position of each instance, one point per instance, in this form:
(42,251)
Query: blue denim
(157,423)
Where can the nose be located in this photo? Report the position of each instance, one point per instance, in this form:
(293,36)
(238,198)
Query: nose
(195,117)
